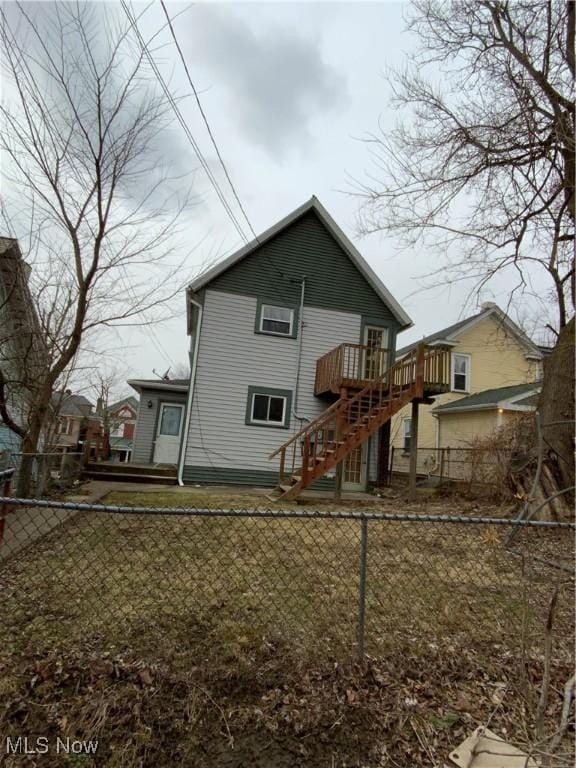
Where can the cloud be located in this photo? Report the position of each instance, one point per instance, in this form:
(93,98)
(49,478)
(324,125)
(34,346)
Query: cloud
(276,82)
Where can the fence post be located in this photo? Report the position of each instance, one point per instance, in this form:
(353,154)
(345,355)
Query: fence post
(413,451)
(362,589)
(4,508)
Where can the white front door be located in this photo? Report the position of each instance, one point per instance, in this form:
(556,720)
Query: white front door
(167,445)
(375,356)
(354,469)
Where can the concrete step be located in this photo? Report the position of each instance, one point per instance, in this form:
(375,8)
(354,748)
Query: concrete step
(156,470)
(128,477)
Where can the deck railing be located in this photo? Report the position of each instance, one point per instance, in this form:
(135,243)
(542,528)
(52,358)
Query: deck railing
(350,365)
(424,369)
(356,365)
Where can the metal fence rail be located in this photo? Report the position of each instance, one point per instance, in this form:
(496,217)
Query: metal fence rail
(332,581)
(464,465)
(50,471)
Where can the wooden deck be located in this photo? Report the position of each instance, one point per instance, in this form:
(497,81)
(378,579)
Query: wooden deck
(131,473)
(355,366)
(321,445)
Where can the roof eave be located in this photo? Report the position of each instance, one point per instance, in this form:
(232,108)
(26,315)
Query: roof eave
(140,384)
(362,265)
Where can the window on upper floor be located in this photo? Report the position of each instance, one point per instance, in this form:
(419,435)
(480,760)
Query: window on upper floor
(116,429)
(278,321)
(460,373)
(64,426)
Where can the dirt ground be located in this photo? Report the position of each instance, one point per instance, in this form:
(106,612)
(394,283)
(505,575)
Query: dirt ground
(232,642)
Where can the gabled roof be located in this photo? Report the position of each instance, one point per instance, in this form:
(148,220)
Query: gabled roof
(170,385)
(69,404)
(355,256)
(451,333)
(517,397)
(130,401)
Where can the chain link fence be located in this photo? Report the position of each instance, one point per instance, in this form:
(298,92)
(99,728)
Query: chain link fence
(51,472)
(333,582)
(470,467)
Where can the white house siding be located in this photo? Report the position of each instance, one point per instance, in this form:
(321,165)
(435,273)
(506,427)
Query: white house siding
(233,357)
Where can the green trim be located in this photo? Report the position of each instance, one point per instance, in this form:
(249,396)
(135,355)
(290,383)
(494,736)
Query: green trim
(381,322)
(234,476)
(283,305)
(286,393)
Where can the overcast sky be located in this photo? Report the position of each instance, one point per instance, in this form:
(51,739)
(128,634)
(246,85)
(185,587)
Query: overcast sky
(288,89)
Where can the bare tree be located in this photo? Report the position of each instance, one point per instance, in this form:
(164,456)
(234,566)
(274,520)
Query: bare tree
(180,371)
(483,165)
(81,139)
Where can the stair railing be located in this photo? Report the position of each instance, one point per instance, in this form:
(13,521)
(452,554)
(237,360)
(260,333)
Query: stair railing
(324,434)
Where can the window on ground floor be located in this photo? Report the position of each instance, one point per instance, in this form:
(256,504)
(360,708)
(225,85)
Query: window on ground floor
(268,407)
(406,434)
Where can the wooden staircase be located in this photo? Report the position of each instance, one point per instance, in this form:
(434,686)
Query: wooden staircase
(325,442)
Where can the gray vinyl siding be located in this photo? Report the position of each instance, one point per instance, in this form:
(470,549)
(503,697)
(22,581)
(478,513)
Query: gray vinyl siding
(231,358)
(145,431)
(255,477)
(305,249)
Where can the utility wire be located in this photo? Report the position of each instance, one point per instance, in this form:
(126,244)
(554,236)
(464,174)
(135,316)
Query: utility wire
(213,140)
(215,145)
(195,146)
(183,123)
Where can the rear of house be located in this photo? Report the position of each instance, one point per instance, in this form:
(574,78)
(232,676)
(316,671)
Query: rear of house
(260,322)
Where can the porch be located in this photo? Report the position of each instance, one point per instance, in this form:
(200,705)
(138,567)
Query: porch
(356,366)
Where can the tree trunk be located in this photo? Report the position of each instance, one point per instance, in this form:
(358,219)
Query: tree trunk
(37,418)
(556,407)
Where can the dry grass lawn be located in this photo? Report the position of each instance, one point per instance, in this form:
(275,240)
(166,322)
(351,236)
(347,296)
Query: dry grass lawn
(217,641)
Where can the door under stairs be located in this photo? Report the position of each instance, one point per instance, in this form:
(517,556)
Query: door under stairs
(323,443)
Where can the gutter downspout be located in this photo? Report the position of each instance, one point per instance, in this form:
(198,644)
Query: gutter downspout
(299,353)
(191,387)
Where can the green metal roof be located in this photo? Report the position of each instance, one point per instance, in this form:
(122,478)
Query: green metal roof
(121,443)
(493,398)
(130,400)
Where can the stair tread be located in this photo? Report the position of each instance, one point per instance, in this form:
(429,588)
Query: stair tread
(366,416)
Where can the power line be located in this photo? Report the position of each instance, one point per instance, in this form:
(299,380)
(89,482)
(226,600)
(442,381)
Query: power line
(195,146)
(215,145)
(196,96)
(183,123)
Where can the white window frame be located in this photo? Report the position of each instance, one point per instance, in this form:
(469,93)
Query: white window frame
(276,333)
(64,426)
(405,422)
(267,422)
(168,404)
(468,359)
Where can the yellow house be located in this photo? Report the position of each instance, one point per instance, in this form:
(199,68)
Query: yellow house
(495,373)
